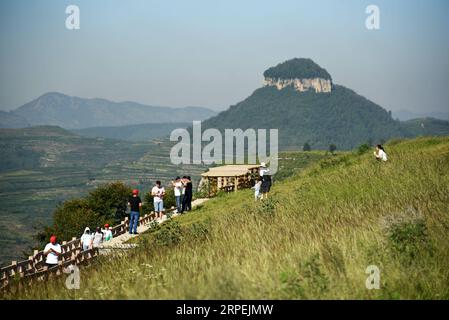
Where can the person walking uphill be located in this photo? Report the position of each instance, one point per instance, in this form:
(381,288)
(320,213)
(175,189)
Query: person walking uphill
(158,193)
(97,238)
(52,251)
(86,239)
(135,204)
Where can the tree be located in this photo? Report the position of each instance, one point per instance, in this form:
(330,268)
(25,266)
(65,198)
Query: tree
(363,148)
(306,147)
(106,204)
(332,148)
(110,201)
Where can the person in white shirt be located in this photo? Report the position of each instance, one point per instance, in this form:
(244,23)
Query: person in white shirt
(380,153)
(107,232)
(97,238)
(263,170)
(86,239)
(178,188)
(52,251)
(158,193)
(256,188)
(264,173)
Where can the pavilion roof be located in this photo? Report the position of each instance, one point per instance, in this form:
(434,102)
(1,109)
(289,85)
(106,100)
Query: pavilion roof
(232,170)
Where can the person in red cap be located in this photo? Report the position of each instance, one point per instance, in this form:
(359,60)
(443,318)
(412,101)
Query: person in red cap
(107,232)
(135,204)
(52,251)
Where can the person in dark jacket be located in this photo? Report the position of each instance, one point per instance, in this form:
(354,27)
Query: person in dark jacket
(188,194)
(264,173)
(135,204)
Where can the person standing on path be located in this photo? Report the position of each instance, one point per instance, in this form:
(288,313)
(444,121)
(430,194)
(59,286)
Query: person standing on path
(135,205)
(183,191)
(97,238)
(187,200)
(107,232)
(158,193)
(177,188)
(52,251)
(86,239)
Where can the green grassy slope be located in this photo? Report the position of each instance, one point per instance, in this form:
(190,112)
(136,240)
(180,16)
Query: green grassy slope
(314,238)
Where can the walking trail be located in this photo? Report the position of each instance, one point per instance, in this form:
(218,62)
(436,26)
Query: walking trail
(119,242)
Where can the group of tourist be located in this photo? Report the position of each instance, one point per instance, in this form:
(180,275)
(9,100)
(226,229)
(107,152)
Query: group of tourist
(263,183)
(88,240)
(91,240)
(183,192)
(183,189)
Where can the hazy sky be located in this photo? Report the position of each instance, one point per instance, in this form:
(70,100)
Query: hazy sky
(213,53)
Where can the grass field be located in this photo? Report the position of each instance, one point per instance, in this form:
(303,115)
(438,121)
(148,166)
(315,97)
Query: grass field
(313,239)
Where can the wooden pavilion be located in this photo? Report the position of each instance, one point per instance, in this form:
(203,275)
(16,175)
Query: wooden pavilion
(229,178)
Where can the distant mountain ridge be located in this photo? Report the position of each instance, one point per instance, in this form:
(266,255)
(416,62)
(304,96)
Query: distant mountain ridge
(405,115)
(57,109)
(135,132)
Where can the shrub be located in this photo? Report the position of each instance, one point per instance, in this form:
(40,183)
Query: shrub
(307,282)
(267,207)
(306,147)
(169,234)
(110,200)
(407,234)
(363,148)
(199,230)
(408,238)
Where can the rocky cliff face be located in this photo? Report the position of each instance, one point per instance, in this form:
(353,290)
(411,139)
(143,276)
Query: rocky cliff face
(301,85)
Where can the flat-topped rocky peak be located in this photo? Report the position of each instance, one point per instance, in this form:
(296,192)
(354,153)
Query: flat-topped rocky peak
(302,74)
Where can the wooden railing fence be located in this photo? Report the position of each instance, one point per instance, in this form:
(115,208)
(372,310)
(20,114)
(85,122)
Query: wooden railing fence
(35,269)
